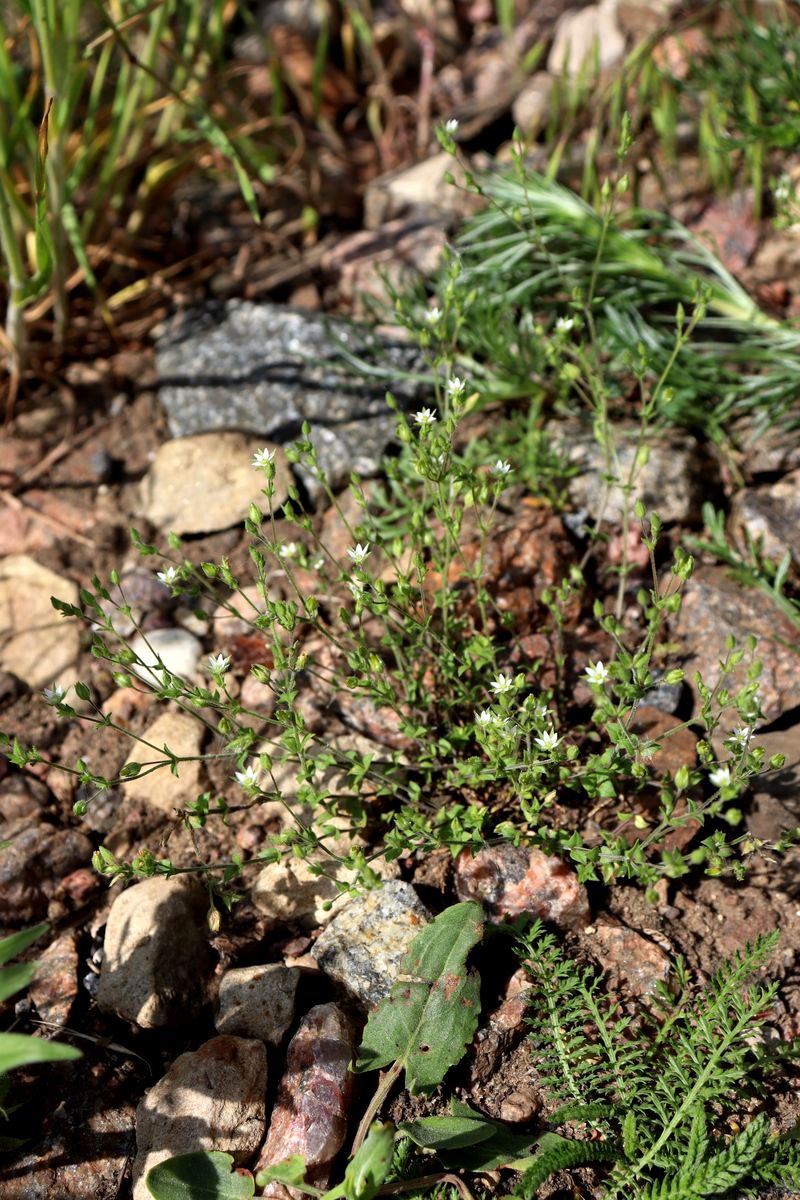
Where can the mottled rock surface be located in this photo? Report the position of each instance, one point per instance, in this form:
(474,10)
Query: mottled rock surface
(161,789)
(31,868)
(674,482)
(639,964)
(55,984)
(364,945)
(771,515)
(716,606)
(39,645)
(210,1099)
(265,368)
(257,1002)
(156,958)
(509,880)
(310,1113)
(206,483)
(81,1141)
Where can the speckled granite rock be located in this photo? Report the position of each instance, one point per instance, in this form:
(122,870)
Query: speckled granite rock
(310,1113)
(265,368)
(364,945)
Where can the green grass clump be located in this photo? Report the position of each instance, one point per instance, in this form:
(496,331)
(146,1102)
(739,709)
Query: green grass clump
(545,260)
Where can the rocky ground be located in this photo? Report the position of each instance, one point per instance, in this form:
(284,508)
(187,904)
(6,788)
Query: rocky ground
(228,1040)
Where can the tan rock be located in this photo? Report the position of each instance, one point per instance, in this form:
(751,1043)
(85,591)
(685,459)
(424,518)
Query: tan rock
(36,643)
(156,957)
(161,789)
(212,1098)
(257,1002)
(205,483)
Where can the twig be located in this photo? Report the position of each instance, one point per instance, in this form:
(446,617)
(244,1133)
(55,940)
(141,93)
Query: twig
(60,526)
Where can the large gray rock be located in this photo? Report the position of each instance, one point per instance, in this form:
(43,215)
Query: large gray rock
(210,1099)
(364,945)
(156,957)
(265,368)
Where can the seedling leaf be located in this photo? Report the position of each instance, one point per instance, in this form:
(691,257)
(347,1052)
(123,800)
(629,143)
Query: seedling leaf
(426,1023)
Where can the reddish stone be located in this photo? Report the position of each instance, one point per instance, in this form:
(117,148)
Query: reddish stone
(79,885)
(510,880)
(55,984)
(637,963)
(310,1113)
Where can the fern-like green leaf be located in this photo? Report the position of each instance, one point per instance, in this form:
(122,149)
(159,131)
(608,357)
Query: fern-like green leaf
(562,1154)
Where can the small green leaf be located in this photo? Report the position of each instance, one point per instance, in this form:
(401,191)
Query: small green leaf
(11,946)
(292,1172)
(204,1175)
(426,1023)
(15,978)
(370,1165)
(19,1050)
(449,1133)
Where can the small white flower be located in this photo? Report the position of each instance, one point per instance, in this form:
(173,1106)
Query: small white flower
(288,549)
(597,673)
(54,694)
(721,777)
(358,553)
(484,717)
(456,387)
(548,740)
(168,577)
(450,126)
(565,324)
(218,664)
(262,458)
(739,739)
(502,467)
(502,685)
(248,778)
(433,315)
(425,418)
(318,564)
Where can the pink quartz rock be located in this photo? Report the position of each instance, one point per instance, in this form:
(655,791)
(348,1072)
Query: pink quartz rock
(310,1113)
(510,880)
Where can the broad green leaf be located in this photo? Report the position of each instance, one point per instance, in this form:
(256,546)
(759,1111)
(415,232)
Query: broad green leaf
(204,1175)
(20,1050)
(426,1023)
(11,946)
